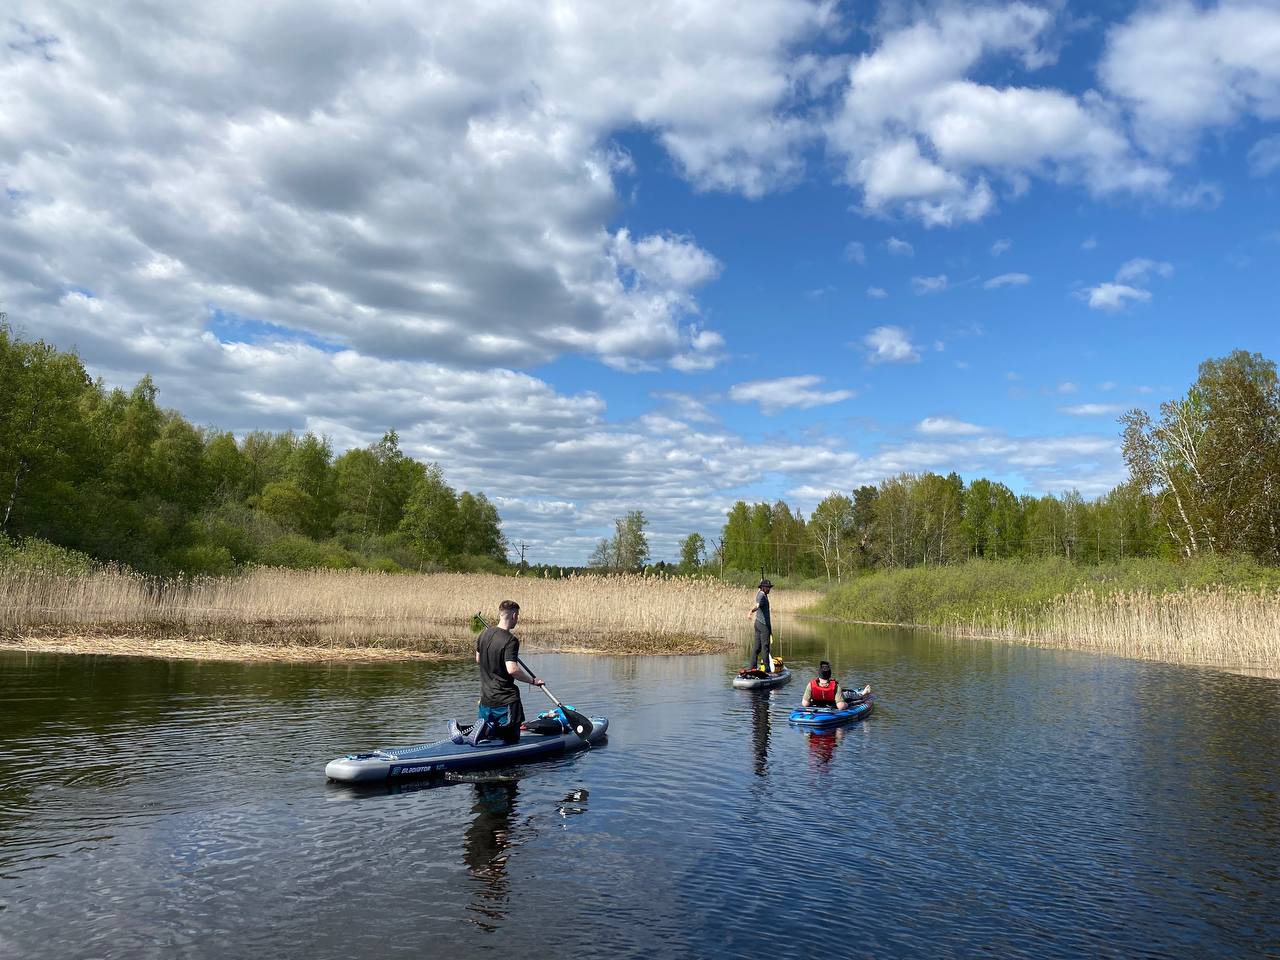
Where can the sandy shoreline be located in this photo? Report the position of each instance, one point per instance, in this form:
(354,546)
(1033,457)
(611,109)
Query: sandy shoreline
(397,649)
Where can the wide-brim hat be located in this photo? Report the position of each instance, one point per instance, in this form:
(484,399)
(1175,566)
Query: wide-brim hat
(765,583)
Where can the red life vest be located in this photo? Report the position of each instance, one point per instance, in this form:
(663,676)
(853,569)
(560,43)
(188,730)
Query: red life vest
(819,694)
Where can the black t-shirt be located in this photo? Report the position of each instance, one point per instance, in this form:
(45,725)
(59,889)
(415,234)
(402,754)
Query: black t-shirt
(496,646)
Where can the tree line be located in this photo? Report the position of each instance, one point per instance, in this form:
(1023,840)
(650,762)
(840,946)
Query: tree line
(112,474)
(1204,478)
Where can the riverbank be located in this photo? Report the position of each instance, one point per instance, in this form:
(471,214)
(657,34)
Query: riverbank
(272,614)
(1216,612)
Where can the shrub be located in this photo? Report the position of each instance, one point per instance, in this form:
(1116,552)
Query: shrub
(296,551)
(35,554)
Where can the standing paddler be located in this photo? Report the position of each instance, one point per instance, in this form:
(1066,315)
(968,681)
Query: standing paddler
(759,615)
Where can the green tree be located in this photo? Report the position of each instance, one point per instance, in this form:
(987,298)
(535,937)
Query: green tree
(761,537)
(227,471)
(288,505)
(896,521)
(42,433)
(1046,526)
(831,534)
(266,457)
(479,528)
(310,468)
(864,525)
(628,549)
(430,525)
(372,486)
(937,503)
(693,550)
(739,552)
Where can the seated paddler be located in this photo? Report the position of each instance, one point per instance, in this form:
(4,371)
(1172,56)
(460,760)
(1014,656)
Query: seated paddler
(824,690)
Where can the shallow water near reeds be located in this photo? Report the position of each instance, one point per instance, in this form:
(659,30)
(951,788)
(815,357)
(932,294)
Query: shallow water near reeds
(1000,801)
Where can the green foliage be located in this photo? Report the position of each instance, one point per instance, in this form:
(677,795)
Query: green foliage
(295,550)
(205,560)
(914,520)
(431,525)
(1212,459)
(113,476)
(627,549)
(693,550)
(969,592)
(40,555)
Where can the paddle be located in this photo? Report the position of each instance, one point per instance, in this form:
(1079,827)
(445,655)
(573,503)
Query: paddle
(578,722)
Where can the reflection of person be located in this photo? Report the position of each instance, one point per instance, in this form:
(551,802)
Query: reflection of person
(759,615)
(497,652)
(823,690)
(822,745)
(484,847)
(760,732)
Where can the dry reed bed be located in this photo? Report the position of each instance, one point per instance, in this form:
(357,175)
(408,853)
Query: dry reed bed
(1213,626)
(423,613)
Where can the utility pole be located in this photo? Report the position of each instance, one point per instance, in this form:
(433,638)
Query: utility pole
(523,547)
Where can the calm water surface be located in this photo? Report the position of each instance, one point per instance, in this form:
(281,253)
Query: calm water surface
(999,802)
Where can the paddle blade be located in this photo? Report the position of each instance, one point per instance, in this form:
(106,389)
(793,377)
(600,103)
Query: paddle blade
(578,723)
(478,623)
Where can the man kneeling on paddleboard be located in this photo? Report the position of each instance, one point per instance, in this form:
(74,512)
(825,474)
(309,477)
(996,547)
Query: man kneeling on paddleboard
(823,691)
(498,651)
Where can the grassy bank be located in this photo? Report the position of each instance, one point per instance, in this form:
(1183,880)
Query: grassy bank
(1215,610)
(278,610)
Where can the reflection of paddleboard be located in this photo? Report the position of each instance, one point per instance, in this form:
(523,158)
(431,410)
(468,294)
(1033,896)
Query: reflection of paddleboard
(435,758)
(827,717)
(758,679)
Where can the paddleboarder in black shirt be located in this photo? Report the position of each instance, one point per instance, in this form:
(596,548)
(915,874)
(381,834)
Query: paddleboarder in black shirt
(497,650)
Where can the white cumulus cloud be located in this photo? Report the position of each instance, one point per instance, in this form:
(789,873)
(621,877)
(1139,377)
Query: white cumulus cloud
(1140,269)
(890,345)
(920,133)
(899,247)
(1264,157)
(855,252)
(1114,297)
(786,392)
(927,285)
(1091,409)
(1007,280)
(1129,285)
(1185,67)
(946,426)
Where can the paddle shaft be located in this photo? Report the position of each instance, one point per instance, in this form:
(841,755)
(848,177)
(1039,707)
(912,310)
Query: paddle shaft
(543,685)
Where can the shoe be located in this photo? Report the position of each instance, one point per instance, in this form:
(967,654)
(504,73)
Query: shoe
(456,733)
(478,732)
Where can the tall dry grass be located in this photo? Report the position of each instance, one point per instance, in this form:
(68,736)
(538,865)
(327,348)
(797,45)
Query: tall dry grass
(1214,626)
(628,613)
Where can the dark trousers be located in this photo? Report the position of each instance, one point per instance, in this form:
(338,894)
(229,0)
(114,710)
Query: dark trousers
(760,651)
(504,722)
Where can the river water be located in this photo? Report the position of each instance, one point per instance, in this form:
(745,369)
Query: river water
(999,801)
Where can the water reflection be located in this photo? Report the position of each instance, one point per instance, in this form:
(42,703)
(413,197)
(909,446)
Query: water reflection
(485,849)
(1026,803)
(822,745)
(574,804)
(760,730)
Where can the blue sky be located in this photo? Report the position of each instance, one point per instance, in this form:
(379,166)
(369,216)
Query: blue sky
(600,257)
